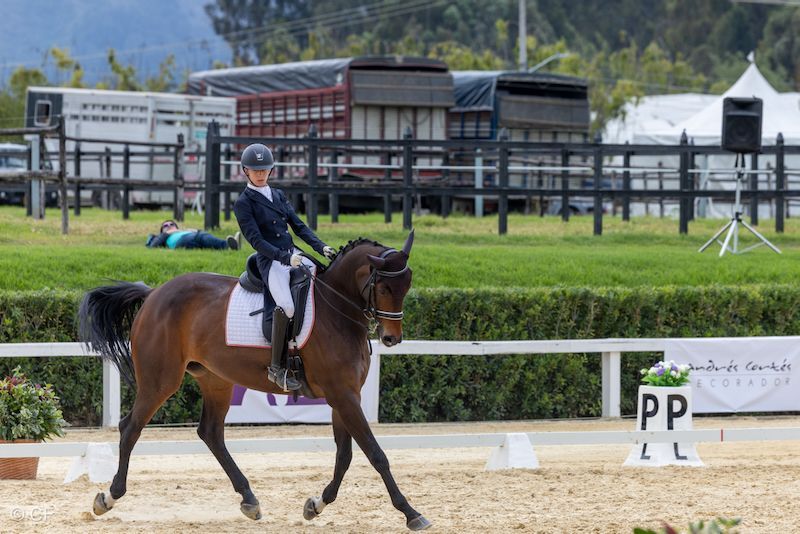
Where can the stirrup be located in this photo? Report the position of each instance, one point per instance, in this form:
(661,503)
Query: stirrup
(280,376)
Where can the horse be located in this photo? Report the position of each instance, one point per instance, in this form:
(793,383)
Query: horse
(178,327)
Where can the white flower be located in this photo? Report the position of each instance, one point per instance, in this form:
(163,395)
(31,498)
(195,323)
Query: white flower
(674,374)
(684,367)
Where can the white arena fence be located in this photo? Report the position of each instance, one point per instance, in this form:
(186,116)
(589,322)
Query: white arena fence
(609,349)
(433,441)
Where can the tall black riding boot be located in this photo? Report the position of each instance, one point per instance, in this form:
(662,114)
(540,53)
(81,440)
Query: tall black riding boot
(280,344)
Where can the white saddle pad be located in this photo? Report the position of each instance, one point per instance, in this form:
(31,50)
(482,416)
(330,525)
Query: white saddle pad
(242,330)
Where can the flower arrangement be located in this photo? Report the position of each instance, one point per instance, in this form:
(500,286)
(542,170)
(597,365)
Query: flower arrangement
(667,374)
(27,410)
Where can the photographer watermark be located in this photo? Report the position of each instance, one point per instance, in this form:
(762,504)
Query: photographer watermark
(33,513)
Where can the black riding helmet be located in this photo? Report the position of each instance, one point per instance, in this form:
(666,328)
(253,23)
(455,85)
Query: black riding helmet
(257,157)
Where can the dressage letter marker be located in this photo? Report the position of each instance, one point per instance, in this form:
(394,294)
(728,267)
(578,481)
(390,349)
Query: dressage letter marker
(664,408)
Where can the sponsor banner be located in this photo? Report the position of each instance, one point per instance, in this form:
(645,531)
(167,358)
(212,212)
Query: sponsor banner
(250,406)
(750,374)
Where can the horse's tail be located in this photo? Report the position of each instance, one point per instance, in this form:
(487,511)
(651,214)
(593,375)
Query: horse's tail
(105,316)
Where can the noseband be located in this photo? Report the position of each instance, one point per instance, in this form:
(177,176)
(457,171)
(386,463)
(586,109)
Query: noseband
(372,311)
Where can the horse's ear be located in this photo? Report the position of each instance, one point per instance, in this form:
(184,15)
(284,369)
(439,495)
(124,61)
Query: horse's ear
(408,243)
(377,262)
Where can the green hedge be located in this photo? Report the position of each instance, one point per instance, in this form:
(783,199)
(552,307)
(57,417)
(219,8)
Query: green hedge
(453,388)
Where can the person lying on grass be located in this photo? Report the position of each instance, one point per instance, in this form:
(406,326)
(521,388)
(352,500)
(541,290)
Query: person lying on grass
(171,236)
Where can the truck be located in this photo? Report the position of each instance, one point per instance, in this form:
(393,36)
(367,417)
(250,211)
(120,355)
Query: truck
(537,107)
(130,116)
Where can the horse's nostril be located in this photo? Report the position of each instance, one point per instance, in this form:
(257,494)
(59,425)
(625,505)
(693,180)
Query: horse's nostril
(389,340)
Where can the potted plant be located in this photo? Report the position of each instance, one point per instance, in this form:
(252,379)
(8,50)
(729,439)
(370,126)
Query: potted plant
(666,374)
(29,413)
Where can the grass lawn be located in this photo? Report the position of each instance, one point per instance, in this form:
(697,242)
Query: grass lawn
(455,252)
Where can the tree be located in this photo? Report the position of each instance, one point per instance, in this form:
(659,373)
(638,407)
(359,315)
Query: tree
(125,74)
(12,99)
(247,24)
(781,44)
(165,79)
(65,63)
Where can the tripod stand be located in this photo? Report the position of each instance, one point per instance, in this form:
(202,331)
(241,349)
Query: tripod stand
(733,225)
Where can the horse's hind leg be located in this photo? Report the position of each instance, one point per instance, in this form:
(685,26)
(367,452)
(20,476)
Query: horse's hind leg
(349,408)
(151,392)
(216,401)
(344,454)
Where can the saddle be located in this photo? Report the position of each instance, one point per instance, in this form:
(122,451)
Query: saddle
(299,283)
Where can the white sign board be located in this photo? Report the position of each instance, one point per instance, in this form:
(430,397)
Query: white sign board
(663,408)
(250,406)
(749,374)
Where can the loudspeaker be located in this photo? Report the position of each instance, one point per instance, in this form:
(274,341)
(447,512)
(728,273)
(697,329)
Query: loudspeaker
(741,125)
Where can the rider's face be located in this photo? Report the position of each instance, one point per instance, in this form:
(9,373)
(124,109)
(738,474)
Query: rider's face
(259,177)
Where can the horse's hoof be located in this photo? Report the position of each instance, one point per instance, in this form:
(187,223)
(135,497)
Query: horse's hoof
(310,508)
(253,511)
(99,506)
(418,523)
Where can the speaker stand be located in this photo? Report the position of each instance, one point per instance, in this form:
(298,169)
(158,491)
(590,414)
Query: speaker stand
(733,225)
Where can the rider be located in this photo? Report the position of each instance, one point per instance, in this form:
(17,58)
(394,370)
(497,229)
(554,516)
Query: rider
(264,215)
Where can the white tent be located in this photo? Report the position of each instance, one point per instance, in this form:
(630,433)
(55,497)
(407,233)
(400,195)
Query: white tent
(661,119)
(654,113)
(781,114)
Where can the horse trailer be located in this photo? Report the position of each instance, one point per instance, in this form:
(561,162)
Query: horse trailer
(543,108)
(133,117)
(350,98)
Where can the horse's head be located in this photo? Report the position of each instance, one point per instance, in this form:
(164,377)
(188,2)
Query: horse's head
(387,284)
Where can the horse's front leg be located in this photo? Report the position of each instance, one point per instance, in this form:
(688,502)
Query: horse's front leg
(344,453)
(349,408)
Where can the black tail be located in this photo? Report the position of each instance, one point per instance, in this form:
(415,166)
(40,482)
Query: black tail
(106,315)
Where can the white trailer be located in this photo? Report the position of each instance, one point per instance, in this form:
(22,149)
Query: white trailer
(133,117)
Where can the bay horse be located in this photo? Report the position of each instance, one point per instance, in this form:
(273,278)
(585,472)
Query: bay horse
(179,326)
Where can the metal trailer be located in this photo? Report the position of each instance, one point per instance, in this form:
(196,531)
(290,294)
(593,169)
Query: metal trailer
(133,117)
(349,98)
(537,107)
(374,98)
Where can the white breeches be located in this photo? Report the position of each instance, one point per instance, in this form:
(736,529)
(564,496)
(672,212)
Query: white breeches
(279,284)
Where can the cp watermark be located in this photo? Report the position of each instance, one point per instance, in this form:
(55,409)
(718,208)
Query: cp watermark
(34,513)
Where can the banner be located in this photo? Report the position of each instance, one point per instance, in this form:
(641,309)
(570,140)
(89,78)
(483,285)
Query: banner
(250,406)
(749,374)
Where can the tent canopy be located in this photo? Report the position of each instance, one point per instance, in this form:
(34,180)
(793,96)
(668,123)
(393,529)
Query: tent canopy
(660,119)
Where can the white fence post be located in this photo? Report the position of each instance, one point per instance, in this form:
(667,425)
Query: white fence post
(111,395)
(611,384)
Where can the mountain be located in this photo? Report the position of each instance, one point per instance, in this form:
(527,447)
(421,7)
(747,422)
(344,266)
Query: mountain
(143,33)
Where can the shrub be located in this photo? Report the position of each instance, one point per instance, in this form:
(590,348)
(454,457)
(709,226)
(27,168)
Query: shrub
(28,411)
(453,388)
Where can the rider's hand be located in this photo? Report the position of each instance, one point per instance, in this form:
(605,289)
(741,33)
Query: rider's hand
(328,252)
(296,260)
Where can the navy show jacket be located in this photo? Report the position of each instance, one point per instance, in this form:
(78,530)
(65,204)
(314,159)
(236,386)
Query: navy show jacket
(265,225)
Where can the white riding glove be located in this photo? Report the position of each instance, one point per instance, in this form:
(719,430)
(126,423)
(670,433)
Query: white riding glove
(328,252)
(296,260)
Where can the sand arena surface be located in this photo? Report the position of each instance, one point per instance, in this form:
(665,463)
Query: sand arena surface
(576,489)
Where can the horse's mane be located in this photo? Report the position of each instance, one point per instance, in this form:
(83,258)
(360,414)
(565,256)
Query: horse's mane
(350,246)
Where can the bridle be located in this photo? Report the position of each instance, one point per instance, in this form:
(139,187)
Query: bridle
(370,311)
